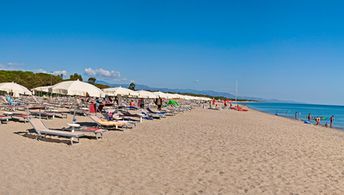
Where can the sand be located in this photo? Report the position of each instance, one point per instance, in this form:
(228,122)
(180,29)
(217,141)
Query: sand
(198,152)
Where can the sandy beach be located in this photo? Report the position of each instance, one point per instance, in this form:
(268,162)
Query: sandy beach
(197,152)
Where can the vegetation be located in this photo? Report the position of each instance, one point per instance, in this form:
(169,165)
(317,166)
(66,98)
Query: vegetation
(29,79)
(92,80)
(101,86)
(75,77)
(32,80)
(132,86)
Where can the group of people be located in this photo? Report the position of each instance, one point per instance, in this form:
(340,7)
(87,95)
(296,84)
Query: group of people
(225,103)
(141,103)
(318,120)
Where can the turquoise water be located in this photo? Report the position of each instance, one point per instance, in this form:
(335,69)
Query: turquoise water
(289,110)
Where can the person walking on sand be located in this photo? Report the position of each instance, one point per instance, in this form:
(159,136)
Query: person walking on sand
(331,121)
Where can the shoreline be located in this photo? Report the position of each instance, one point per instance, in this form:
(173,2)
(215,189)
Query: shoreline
(293,119)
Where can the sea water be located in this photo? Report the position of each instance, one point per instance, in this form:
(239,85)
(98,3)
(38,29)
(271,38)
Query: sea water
(290,110)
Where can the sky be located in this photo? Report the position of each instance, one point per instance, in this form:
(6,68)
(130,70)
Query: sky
(288,50)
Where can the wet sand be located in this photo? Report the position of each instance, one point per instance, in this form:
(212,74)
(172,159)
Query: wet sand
(197,152)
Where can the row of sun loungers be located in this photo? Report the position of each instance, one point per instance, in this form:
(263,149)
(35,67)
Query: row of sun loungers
(121,117)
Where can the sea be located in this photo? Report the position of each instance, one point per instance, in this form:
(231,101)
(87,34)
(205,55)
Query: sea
(301,111)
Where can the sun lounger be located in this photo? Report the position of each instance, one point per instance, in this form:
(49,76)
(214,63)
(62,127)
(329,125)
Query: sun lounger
(4,119)
(109,124)
(163,113)
(21,117)
(134,114)
(98,132)
(17,116)
(42,131)
(40,115)
(153,115)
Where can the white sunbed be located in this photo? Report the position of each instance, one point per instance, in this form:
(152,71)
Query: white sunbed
(42,131)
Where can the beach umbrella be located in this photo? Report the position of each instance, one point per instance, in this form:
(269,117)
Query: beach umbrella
(187,97)
(172,103)
(120,91)
(169,96)
(177,96)
(16,89)
(162,95)
(77,88)
(146,94)
(45,89)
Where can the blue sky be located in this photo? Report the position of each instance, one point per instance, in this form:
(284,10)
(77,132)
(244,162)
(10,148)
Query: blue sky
(289,50)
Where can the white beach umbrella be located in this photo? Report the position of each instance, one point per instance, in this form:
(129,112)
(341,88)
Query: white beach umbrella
(205,99)
(78,88)
(42,89)
(162,95)
(146,94)
(169,96)
(16,89)
(119,91)
(182,97)
(177,96)
(187,97)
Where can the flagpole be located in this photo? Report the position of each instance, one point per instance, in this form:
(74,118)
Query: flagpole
(236,91)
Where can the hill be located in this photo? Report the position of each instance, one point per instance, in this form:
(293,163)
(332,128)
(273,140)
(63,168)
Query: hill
(29,79)
(208,93)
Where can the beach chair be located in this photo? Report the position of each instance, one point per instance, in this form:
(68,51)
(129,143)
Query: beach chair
(135,114)
(42,114)
(101,122)
(162,113)
(152,115)
(17,116)
(20,117)
(4,119)
(42,131)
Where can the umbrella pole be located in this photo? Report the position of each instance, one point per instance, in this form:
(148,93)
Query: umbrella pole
(74,113)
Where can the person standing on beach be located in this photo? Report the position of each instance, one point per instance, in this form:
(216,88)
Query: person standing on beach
(213,101)
(97,104)
(158,102)
(309,117)
(297,115)
(331,121)
(317,121)
(141,103)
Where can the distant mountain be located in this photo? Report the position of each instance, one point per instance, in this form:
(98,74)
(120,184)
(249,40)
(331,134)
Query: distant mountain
(192,91)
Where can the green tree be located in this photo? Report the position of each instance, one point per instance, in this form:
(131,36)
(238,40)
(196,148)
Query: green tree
(92,80)
(75,77)
(132,86)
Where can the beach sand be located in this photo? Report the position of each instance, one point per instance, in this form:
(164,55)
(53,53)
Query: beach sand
(197,152)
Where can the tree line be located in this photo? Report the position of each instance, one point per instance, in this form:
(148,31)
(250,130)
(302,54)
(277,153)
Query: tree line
(31,80)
